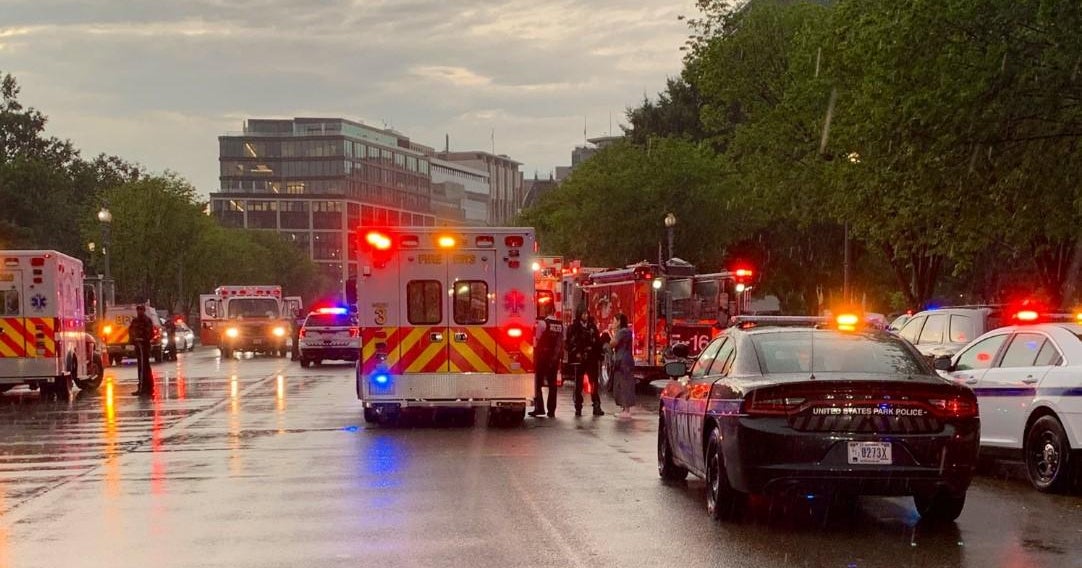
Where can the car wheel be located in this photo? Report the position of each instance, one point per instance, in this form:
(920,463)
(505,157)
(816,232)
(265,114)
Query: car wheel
(722,501)
(304,365)
(666,467)
(371,416)
(1048,455)
(93,379)
(939,506)
(319,362)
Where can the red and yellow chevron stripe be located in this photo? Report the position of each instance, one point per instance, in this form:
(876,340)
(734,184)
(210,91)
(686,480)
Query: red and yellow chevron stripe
(456,350)
(27,337)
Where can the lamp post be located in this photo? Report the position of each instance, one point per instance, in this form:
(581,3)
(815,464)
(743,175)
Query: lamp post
(854,158)
(670,223)
(105,217)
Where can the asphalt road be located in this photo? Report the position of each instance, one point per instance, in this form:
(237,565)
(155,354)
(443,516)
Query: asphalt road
(259,463)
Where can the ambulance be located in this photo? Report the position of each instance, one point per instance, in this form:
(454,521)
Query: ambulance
(251,318)
(446,319)
(43,340)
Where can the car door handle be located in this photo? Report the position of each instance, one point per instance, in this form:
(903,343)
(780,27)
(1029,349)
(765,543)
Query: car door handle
(1029,380)
(971,381)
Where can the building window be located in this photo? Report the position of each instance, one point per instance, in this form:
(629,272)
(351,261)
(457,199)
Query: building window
(262,214)
(327,214)
(327,246)
(294,214)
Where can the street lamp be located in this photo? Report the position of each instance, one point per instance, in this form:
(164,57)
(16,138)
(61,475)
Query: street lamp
(105,217)
(670,223)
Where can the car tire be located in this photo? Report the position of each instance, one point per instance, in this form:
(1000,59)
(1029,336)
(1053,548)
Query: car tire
(94,374)
(1048,456)
(371,416)
(666,467)
(939,506)
(722,501)
(319,362)
(305,363)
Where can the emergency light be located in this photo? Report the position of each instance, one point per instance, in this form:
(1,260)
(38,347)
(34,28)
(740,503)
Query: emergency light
(446,241)
(338,311)
(378,240)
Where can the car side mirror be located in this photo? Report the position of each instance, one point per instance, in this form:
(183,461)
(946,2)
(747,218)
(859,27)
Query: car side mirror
(676,369)
(943,363)
(681,350)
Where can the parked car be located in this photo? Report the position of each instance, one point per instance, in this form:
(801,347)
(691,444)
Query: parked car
(184,336)
(944,331)
(1028,381)
(773,409)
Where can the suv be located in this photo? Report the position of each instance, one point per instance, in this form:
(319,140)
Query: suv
(329,333)
(945,331)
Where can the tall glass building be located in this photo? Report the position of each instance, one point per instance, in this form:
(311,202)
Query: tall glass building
(316,179)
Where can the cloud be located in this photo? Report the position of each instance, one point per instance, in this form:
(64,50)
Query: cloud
(160,82)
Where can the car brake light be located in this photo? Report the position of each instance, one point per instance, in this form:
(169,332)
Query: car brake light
(771,405)
(354,332)
(954,407)
(303,332)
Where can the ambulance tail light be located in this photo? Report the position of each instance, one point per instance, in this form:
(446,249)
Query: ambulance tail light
(514,241)
(515,332)
(378,240)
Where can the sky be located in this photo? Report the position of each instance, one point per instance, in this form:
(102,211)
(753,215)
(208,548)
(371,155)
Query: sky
(157,82)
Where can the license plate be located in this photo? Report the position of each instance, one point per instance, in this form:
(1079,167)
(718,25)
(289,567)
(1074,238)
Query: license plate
(876,453)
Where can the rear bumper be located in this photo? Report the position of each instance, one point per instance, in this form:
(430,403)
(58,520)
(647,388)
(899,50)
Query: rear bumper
(448,390)
(765,455)
(343,353)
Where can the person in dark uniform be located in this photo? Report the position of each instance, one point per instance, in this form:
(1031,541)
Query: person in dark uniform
(140,333)
(298,323)
(584,355)
(548,347)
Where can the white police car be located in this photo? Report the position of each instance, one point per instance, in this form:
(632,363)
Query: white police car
(1028,381)
(329,333)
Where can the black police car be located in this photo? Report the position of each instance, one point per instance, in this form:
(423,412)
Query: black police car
(775,409)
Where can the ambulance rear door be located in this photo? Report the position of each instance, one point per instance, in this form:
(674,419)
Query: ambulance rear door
(423,348)
(12,320)
(472,314)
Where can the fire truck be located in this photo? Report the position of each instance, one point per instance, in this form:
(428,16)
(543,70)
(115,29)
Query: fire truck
(548,273)
(447,319)
(665,308)
(245,318)
(43,340)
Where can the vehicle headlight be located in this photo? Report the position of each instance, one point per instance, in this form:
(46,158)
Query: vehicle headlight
(165,341)
(280,331)
(232,332)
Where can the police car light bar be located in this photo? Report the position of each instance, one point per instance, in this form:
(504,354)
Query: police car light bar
(338,311)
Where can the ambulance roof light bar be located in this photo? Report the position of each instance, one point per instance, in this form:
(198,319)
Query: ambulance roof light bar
(378,240)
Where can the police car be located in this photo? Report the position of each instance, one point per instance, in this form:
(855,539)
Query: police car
(1028,381)
(769,407)
(329,333)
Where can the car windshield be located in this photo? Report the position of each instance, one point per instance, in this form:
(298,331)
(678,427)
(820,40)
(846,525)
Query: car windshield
(253,308)
(832,352)
(328,320)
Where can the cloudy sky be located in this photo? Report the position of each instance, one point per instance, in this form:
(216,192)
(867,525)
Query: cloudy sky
(156,82)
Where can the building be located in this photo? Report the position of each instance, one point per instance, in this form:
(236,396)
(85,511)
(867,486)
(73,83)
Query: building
(536,188)
(314,180)
(505,182)
(582,153)
(460,190)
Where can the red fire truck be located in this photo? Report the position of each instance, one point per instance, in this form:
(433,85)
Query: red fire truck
(700,306)
(547,274)
(447,318)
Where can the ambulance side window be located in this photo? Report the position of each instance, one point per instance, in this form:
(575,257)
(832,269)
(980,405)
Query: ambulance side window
(471,302)
(424,302)
(10,304)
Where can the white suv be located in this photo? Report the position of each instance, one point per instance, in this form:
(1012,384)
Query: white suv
(942,332)
(329,333)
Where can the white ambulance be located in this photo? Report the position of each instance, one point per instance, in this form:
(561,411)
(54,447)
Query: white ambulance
(446,319)
(43,341)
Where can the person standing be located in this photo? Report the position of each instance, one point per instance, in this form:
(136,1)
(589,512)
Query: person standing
(583,353)
(140,333)
(623,363)
(548,349)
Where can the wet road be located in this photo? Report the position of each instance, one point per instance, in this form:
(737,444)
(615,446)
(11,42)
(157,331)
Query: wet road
(260,463)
